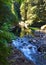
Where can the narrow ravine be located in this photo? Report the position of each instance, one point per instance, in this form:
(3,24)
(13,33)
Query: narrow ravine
(31,48)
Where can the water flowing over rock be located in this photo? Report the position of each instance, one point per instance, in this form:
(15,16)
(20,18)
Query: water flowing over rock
(32,48)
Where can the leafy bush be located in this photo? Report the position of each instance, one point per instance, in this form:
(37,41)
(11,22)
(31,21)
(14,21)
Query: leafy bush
(33,11)
(7,18)
(4,51)
(5,38)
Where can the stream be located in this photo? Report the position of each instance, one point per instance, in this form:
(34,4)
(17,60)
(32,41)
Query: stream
(31,48)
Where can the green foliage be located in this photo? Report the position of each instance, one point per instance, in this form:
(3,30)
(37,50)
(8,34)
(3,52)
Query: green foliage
(19,1)
(7,35)
(5,38)
(4,51)
(41,12)
(7,12)
(7,18)
(33,11)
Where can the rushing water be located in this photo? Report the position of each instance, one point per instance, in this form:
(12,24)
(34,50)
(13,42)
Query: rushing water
(29,50)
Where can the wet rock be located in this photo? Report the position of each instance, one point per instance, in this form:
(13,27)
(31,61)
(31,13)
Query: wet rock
(30,40)
(42,48)
(37,34)
(30,47)
(24,44)
(45,56)
(21,41)
(34,40)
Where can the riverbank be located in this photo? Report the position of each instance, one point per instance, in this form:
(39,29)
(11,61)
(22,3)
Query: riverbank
(17,58)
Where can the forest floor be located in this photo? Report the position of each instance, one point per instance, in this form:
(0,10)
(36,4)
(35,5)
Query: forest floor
(17,58)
